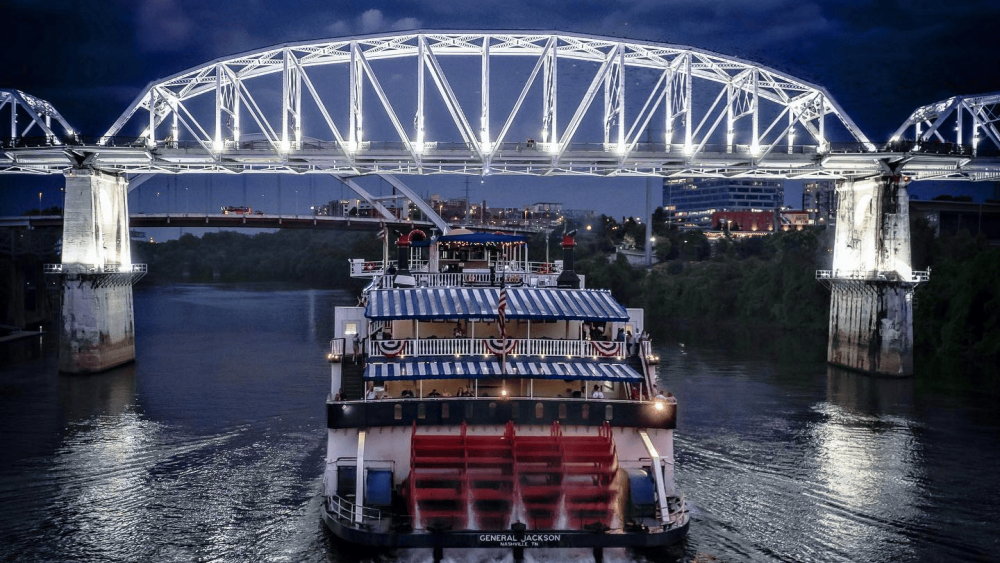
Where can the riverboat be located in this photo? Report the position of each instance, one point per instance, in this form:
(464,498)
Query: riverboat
(479,400)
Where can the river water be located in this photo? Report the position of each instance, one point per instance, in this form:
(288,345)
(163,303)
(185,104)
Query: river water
(211,446)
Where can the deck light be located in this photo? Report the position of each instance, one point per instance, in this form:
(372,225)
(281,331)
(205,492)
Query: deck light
(658,405)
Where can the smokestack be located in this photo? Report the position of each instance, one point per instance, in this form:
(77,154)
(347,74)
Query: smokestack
(403,255)
(568,278)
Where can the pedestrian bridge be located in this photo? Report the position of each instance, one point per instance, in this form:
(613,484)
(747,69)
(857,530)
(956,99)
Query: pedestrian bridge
(249,221)
(544,104)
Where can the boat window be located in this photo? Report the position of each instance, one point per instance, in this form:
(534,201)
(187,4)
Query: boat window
(539,410)
(421,410)
(562,410)
(515,411)
(608,412)
(585,412)
(493,409)
(445,410)
(397,412)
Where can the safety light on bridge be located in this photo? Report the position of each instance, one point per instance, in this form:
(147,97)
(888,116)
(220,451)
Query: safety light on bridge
(218,145)
(284,146)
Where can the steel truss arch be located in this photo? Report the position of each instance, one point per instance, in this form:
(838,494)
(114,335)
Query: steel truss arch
(945,122)
(272,107)
(40,114)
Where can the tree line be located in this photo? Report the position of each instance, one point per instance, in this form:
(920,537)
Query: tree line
(754,282)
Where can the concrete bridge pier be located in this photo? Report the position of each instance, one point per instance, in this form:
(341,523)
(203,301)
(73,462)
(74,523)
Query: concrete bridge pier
(872,282)
(97,330)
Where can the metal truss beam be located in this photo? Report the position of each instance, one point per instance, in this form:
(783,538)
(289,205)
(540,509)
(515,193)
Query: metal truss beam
(667,110)
(981,111)
(39,113)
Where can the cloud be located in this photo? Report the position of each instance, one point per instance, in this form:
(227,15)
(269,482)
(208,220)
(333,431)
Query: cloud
(162,26)
(371,21)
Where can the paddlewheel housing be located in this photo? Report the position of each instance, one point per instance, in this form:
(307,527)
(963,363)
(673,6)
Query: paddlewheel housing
(488,482)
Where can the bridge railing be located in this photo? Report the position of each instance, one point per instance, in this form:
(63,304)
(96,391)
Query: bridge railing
(916,276)
(94,268)
(478,347)
(508,149)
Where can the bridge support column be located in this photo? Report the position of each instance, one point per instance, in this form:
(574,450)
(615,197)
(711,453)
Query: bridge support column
(98,324)
(871,302)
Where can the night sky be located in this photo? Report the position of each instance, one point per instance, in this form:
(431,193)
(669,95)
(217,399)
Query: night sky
(879,59)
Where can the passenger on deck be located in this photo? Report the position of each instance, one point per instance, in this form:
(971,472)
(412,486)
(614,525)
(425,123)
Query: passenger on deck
(434,393)
(406,393)
(597,394)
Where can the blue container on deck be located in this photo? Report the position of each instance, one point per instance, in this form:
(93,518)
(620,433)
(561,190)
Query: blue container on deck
(378,487)
(642,493)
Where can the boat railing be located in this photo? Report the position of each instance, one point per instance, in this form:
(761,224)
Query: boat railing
(344,509)
(337,346)
(361,268)
(482,346)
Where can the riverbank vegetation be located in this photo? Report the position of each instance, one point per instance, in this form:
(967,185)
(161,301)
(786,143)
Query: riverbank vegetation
(770,282)
(766,282)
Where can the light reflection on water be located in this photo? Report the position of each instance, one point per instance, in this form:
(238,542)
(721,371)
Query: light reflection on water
(211,447)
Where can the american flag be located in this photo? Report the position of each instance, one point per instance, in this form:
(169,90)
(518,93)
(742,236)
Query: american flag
(502,312)
(382,231)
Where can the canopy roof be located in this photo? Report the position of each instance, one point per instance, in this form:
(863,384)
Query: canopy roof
(447,367)
(481,303)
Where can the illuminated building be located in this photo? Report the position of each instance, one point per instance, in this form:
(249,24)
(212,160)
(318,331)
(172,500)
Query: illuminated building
(697,199)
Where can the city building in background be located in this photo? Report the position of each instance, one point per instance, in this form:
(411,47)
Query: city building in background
(460,211)
(695,200)
(819,200)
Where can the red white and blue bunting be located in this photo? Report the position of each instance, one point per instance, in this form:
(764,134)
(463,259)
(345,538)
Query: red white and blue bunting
(390,348)
(500,346)
(606,349)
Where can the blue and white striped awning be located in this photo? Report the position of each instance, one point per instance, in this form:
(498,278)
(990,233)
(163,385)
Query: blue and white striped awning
(534,368)
(481,303)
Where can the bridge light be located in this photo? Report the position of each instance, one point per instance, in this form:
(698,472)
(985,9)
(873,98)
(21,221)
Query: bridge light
(688,149)
(755,149)
(218,145)
(284,146)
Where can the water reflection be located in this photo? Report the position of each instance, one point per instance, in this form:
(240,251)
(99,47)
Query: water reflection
(103,394)
(862,393)
(870,471)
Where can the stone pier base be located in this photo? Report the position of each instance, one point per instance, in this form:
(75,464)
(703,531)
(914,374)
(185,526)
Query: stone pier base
(871,327)
(98,326)
(98,323)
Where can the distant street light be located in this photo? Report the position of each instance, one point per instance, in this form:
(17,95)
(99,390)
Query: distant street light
(39,202)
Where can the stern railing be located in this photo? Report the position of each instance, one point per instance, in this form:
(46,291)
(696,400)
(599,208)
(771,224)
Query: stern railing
(478,347)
